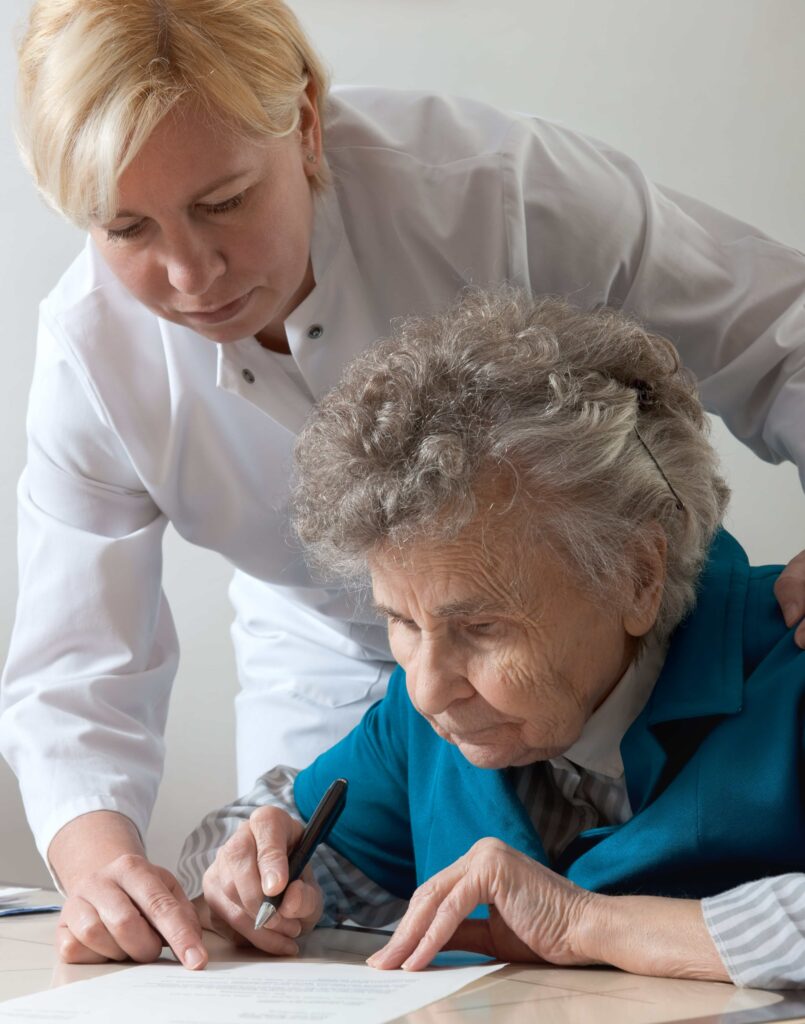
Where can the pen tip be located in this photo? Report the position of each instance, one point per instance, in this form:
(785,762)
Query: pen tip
(265,913)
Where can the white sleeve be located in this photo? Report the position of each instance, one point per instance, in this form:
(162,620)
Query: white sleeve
(759,931)
(84,696)
(348,892)
(731,299)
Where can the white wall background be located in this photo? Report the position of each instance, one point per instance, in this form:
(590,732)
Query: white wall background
(707,96)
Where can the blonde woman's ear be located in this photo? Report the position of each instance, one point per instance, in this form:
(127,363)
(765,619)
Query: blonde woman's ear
(310,128)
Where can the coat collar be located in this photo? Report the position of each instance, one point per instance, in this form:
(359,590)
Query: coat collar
(703,673)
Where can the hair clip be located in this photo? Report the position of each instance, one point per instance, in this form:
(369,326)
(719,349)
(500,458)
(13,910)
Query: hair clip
(645,394)
(679,503)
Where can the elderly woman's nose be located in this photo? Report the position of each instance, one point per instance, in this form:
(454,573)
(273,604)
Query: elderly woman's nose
(437,679)
(193,264)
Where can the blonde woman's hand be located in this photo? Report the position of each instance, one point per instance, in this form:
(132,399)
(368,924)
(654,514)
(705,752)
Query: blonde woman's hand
(119,905)
(790,593)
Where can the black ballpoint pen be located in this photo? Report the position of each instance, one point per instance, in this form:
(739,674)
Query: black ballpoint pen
(316,831)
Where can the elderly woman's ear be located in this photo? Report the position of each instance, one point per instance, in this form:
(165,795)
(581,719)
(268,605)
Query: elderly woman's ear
(648,580)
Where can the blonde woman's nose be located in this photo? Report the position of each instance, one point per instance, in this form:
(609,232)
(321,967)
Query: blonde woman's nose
(193,265)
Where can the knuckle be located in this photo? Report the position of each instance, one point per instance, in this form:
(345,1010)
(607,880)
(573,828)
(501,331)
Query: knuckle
(160,904)
(423,892)
(786,584)
(128,862)
(487,855)
(263,815)
(69,948)
(489,844)
(230,891)
(125,922)
(238,842)
(89,931)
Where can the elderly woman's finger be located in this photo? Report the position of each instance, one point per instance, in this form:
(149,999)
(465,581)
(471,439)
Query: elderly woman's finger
(423,907)
(237,870)
(302,900)
(274,834)
(231,920)
(462,899)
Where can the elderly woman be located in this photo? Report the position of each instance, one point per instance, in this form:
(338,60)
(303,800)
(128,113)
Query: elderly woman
(597,723)
(249,234)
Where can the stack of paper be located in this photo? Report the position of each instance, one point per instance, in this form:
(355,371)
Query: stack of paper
(14,895)
(15,899)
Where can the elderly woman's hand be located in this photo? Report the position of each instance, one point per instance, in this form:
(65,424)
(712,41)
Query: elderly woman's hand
(790,592)
(254,863)
(534,914)
(537,915)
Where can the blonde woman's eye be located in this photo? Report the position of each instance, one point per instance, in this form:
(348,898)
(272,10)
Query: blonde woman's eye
(121,234)
(226,205)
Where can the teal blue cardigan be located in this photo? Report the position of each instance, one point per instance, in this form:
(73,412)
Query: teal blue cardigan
(714,766)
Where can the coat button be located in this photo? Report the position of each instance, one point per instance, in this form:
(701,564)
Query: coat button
(315,331)
(248,376)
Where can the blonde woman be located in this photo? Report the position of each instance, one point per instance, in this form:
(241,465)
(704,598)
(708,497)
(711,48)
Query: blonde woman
(248,234)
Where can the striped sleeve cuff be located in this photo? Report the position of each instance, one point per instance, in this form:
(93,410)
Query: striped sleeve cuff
(348,892)
(275,788)
(759,931)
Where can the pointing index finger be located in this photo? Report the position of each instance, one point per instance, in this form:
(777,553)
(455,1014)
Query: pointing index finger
(164,905)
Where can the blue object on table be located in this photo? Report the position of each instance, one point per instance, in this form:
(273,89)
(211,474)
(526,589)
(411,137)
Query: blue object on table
(11,911)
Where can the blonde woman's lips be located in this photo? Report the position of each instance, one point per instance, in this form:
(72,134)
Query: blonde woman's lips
(220,315)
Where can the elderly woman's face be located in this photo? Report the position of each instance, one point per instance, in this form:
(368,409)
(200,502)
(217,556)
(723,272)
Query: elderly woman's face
(213,230)
(504,654)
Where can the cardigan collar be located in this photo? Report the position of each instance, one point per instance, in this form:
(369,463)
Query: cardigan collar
(702,676)
(703,671)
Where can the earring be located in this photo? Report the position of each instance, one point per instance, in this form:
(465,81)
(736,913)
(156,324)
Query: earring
(311,158)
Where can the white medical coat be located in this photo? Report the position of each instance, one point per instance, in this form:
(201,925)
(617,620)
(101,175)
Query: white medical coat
(135,422)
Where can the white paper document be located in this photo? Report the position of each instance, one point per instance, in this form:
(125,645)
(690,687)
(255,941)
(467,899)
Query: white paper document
(231,993)
(14,895)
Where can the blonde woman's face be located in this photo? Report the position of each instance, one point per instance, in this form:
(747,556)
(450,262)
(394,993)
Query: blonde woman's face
(213,230)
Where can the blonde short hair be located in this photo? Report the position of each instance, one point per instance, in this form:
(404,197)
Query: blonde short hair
(97,76)
(591,415)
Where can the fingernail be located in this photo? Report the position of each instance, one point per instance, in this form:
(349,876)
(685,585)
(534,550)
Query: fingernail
(270,880)
(193,958)
(790,612)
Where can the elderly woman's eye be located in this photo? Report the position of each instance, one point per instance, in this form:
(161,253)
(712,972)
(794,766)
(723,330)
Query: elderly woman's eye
(481,628)
(395,620)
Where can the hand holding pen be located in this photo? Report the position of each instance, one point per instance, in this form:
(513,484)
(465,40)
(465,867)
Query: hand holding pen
(316,831)
(267,857)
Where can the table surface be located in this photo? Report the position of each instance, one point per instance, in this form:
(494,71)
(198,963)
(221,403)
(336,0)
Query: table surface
(514,995)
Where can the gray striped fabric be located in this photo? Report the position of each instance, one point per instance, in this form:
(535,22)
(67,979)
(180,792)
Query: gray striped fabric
(758,928)
(563,800)
(348,893)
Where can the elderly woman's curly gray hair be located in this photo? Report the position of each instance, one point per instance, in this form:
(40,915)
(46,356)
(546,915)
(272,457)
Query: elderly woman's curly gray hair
(573,407)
